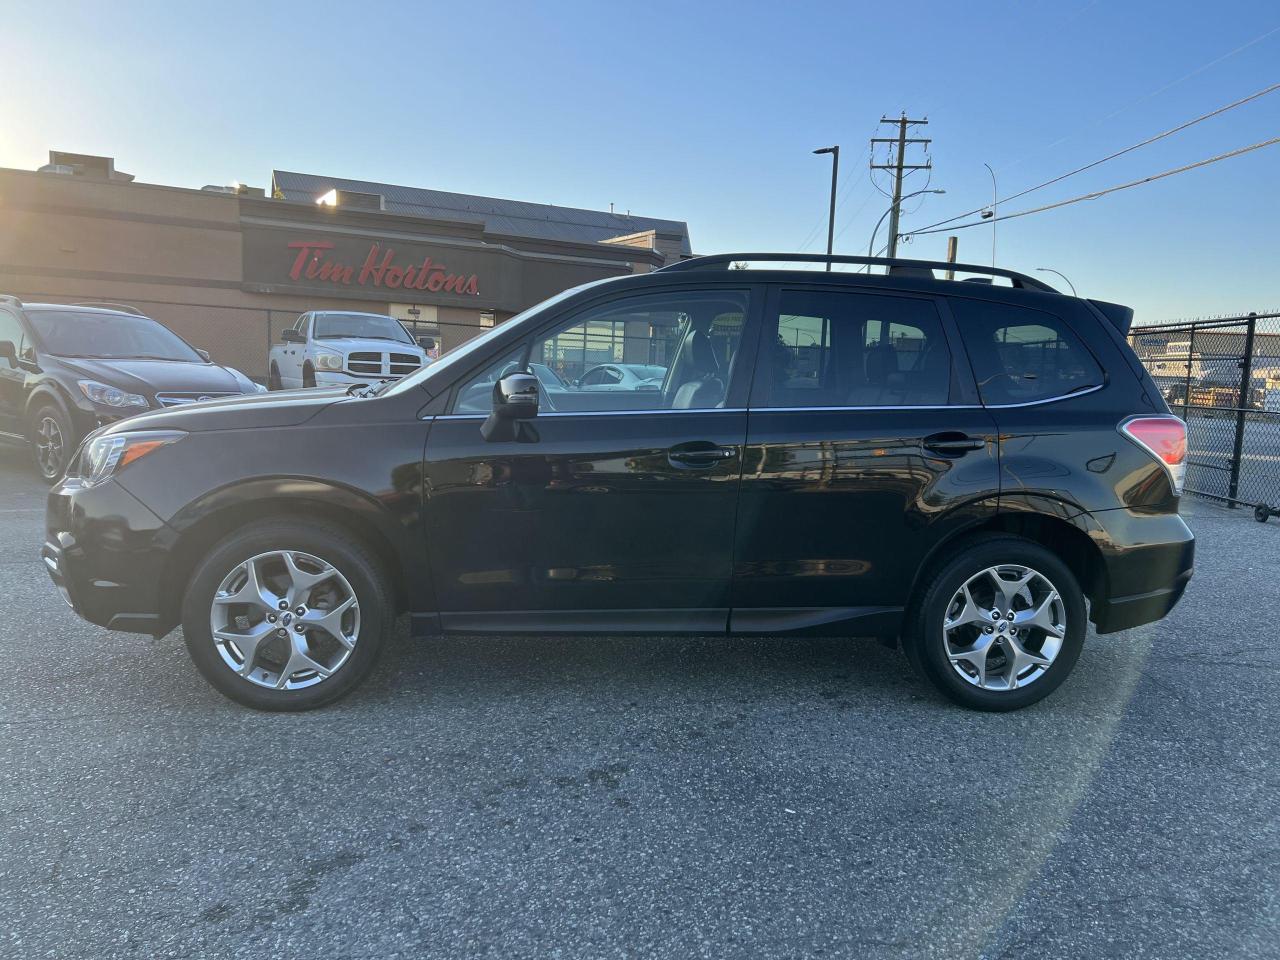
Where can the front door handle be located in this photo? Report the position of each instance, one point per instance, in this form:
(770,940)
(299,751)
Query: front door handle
(952,444)
(699,454)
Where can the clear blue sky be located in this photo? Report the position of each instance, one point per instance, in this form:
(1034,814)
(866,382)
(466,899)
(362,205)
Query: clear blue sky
(705,112)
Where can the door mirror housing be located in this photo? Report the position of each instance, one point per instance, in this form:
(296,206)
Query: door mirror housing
(291,336)
(8,351)
(204,355)
(515,398)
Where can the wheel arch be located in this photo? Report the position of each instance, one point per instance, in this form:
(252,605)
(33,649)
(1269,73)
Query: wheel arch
(205,522)
(1069,534)
(47,391)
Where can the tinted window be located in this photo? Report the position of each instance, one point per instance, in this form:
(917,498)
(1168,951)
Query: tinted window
(108,336)
(687,342)
(837,349)
(1021,355)
(363,326)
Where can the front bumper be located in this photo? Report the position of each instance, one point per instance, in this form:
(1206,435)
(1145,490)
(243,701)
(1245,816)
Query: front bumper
(1150,559)
(106,554)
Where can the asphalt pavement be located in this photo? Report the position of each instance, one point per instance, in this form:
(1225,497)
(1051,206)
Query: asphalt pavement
(572,798)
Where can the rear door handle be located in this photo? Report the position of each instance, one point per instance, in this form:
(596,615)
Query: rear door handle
(699,454)
(952,444)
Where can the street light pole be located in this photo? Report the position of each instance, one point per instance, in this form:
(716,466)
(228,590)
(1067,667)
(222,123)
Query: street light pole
(994,201)
(831,217)
(871,246)
(1063,276)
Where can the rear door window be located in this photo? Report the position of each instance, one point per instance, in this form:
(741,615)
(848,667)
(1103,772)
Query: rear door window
(1020,355)
(851,349)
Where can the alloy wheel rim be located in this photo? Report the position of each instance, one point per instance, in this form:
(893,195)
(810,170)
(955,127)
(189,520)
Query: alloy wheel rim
(285,620)
(1004,627)
(49,447)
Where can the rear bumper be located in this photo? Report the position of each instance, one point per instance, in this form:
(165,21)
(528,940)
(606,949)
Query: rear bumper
(104,554)
(1150,559)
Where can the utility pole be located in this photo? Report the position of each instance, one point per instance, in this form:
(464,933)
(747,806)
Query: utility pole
(835,176)
(900,167)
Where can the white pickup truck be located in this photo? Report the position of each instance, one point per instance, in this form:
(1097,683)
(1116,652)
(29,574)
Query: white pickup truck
(330,348)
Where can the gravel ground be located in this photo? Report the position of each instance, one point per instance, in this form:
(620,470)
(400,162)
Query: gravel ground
(566,798)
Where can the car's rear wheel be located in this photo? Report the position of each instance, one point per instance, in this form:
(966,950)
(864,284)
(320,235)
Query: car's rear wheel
(273,378)
(308,375)
(288,615)
(52,442)
(999,626)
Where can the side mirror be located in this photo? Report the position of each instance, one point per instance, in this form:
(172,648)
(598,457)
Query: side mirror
(515,398)
(204,355)
(8,351)
(291,336)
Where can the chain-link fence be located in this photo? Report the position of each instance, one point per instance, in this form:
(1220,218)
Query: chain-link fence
(1223,378)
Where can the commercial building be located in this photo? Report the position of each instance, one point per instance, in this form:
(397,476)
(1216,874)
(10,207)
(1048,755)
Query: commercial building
(229,268)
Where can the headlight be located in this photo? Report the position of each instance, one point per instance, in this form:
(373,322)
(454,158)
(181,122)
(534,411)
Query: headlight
(103,456)
(107,396)
(329,361)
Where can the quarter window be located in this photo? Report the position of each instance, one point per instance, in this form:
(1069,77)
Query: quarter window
(845,349)
(1021,355)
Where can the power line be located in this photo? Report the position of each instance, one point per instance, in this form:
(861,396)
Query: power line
(1119,153)
(1102,193)
(1154,93)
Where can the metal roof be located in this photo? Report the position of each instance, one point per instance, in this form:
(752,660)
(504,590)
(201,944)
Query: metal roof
(510,217)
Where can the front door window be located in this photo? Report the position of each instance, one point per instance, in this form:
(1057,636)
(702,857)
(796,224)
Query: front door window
(680,348)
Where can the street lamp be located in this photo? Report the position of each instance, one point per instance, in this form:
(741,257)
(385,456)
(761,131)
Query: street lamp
(1063,276)
(831,217)
(992,217)
(872,245)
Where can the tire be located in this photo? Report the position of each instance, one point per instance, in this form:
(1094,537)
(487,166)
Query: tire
(933,648)
(273,379)
(308,375)
(311,545)
(53,442)
(1262,513)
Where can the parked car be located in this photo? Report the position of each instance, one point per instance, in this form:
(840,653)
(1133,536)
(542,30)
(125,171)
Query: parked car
(961,468)
(326,348)
(66,370)
(623,376)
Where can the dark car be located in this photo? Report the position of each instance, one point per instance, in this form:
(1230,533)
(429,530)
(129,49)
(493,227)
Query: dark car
(66,370)
(958,466)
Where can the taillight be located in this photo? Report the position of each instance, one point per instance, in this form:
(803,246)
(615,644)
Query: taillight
(1165,438)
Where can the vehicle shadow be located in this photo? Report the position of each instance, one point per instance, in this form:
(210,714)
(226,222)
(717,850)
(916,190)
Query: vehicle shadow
(640,668)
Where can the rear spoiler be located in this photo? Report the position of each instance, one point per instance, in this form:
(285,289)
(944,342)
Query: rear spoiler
(1121,317)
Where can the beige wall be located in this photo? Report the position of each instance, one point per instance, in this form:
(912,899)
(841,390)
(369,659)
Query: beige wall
(177,255)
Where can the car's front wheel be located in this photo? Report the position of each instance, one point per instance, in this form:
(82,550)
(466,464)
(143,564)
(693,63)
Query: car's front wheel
(1000,624)
(52,442)
(289,615)
(273,378)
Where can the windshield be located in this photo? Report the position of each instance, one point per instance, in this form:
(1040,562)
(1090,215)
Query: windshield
(360,326)
(108,336)
(461,354)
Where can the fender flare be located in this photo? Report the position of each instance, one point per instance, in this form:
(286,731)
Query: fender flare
(401,535)
(44,392)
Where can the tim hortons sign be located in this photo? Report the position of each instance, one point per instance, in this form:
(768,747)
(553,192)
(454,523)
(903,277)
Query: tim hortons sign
(313,261)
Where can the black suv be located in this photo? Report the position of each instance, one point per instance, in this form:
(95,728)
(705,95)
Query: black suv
(958,465)
(67,369)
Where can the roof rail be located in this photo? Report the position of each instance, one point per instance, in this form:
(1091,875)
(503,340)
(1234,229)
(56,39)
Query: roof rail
(104,305)
(10,300)
(895,265)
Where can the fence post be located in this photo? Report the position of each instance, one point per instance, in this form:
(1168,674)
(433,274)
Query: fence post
(1191,353)
(1246,394)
